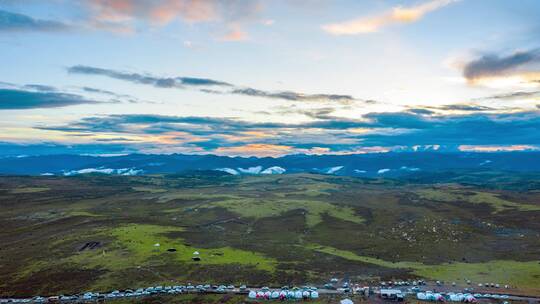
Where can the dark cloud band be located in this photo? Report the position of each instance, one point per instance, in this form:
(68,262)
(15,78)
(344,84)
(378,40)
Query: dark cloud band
(202,85)
(12,22)
(494,65)
(379,130)
(15,99)
(160,82)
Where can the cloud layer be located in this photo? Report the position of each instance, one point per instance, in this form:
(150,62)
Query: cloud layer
(228,18)
(15,99)
(13,22)
(204,84)
(397,15)
(496,65)
(327,134)
(124,15)
(160,82)
(516,71)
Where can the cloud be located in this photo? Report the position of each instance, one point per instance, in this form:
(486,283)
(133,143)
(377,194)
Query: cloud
(16,99)
(515,95)
(490,148)
(203,84)
(235,33)
(50,148)
(519,70)
(421,111)
(160,82)
(260,150)
(327,134)
(293,96)
(397,15)
(459,107)
(495,65)
(14,22)
(40,87)
(465,108)
(99,91)
(125,15)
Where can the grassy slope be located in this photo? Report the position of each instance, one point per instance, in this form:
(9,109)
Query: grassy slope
(274,207)
(524,274)
(258,230)
(474,197)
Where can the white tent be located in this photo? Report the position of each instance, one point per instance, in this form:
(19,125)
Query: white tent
(470,299)
(298,295)
(346,301)
(275,295)
(306,294)
(456,297)
(314,295)
(252,294)
(438,297)
(421,296)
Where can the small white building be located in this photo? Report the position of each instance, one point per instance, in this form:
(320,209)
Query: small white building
(391,294)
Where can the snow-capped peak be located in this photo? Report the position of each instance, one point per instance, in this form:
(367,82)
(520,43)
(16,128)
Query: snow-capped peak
(334,169)
(228,170)
(273,170)
(251,170)
(102,170)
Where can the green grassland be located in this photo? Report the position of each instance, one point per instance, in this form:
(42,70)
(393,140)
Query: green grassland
(258,208)
(28,190)
(449,195)
(524,274)
(72,234)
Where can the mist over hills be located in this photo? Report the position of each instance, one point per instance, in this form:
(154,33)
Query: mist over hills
(363,165)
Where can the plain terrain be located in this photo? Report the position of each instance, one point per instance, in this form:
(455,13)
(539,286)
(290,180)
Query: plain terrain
(74,234)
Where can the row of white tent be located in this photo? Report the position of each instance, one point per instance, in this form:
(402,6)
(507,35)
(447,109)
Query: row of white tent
(283,294)
(453,297)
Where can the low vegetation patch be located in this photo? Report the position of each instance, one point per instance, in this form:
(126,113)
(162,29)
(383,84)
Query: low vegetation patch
(259,208)
(519,274)
(145,243)
(473,197)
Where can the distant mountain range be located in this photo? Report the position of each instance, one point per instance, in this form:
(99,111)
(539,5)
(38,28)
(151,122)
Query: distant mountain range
(363,165)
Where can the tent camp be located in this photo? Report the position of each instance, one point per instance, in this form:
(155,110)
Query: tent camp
(470,299)
(438,297)
(391,294)
(456,297)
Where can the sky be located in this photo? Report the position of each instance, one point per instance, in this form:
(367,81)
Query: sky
(269,78)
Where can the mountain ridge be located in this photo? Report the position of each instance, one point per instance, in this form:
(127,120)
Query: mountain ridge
(391,164)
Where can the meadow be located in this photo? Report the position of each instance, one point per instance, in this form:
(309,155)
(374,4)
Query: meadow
(95,232)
